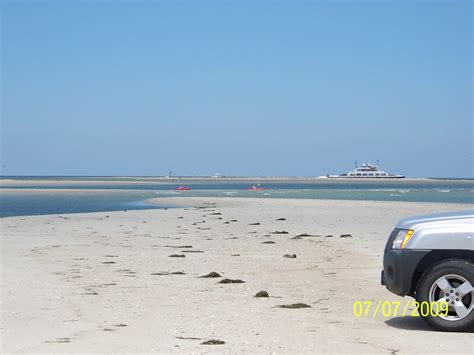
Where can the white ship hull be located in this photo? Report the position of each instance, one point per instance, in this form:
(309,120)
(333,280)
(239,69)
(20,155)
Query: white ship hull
(365,171)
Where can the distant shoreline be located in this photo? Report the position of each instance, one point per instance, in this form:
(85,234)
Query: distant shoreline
(132,180)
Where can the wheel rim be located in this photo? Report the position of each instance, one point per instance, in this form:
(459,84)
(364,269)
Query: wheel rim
(457,291)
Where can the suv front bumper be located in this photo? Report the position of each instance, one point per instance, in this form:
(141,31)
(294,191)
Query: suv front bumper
(399,266)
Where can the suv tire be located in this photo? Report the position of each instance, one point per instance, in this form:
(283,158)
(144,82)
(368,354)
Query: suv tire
(452,281)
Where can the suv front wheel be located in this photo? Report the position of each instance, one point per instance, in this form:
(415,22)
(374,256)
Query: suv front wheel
(449,281)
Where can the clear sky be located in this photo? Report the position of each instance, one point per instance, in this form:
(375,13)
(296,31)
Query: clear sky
(236,87)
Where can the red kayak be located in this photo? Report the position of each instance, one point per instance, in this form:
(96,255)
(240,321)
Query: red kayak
(183,188)
(257,188)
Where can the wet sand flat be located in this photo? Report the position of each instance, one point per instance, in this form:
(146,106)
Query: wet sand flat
(106,282)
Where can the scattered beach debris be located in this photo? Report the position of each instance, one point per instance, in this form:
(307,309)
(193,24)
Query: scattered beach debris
(121,325)
(328,236)
(213,342)
(91,293)
(111,256)
(215,214)
(231,281)
(126,270)
(188,338)
(295,305)
(290,256)
(107,330)
(168,273)
(261,294)
(306,235)
(177,256)
(59,340)
(233,220)
(279,232)
(281,219)
(212,274)
(254,224)
(268,242)
(179,246)
(345,236)
(192,251)
(234,254)
(109,262)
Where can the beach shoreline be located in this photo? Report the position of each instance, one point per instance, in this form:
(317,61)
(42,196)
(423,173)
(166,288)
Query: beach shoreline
(105,281)
(136,180)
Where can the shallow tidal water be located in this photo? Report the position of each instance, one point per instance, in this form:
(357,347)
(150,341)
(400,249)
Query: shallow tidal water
(43,195)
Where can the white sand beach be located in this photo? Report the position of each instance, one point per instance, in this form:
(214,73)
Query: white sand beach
(105,282)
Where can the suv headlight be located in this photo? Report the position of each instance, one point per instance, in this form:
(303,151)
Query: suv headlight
(402,238)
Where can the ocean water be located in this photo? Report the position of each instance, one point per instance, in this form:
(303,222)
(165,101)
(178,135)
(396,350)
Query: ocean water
(57,195)
(22,203)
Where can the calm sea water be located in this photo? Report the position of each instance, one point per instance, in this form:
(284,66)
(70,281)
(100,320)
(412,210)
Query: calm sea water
(94,194)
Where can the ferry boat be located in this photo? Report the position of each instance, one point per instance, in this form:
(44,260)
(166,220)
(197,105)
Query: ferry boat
(366,171)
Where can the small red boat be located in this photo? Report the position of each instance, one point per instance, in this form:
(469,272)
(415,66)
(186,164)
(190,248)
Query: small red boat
(183,188)
(257,188)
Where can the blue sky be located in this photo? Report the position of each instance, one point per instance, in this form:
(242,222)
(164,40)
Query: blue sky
(236,87)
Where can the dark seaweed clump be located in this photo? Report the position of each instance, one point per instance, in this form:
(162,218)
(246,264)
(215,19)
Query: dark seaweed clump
(231,281)
(212,274)
(295,306)
(213,342)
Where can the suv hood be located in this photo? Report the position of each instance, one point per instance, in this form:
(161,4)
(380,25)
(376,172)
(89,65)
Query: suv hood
(409,222)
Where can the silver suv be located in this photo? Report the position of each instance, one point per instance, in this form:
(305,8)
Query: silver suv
(431,258)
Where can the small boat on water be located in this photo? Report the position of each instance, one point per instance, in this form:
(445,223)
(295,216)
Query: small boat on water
(365,171)
(183,188)
(257,188)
